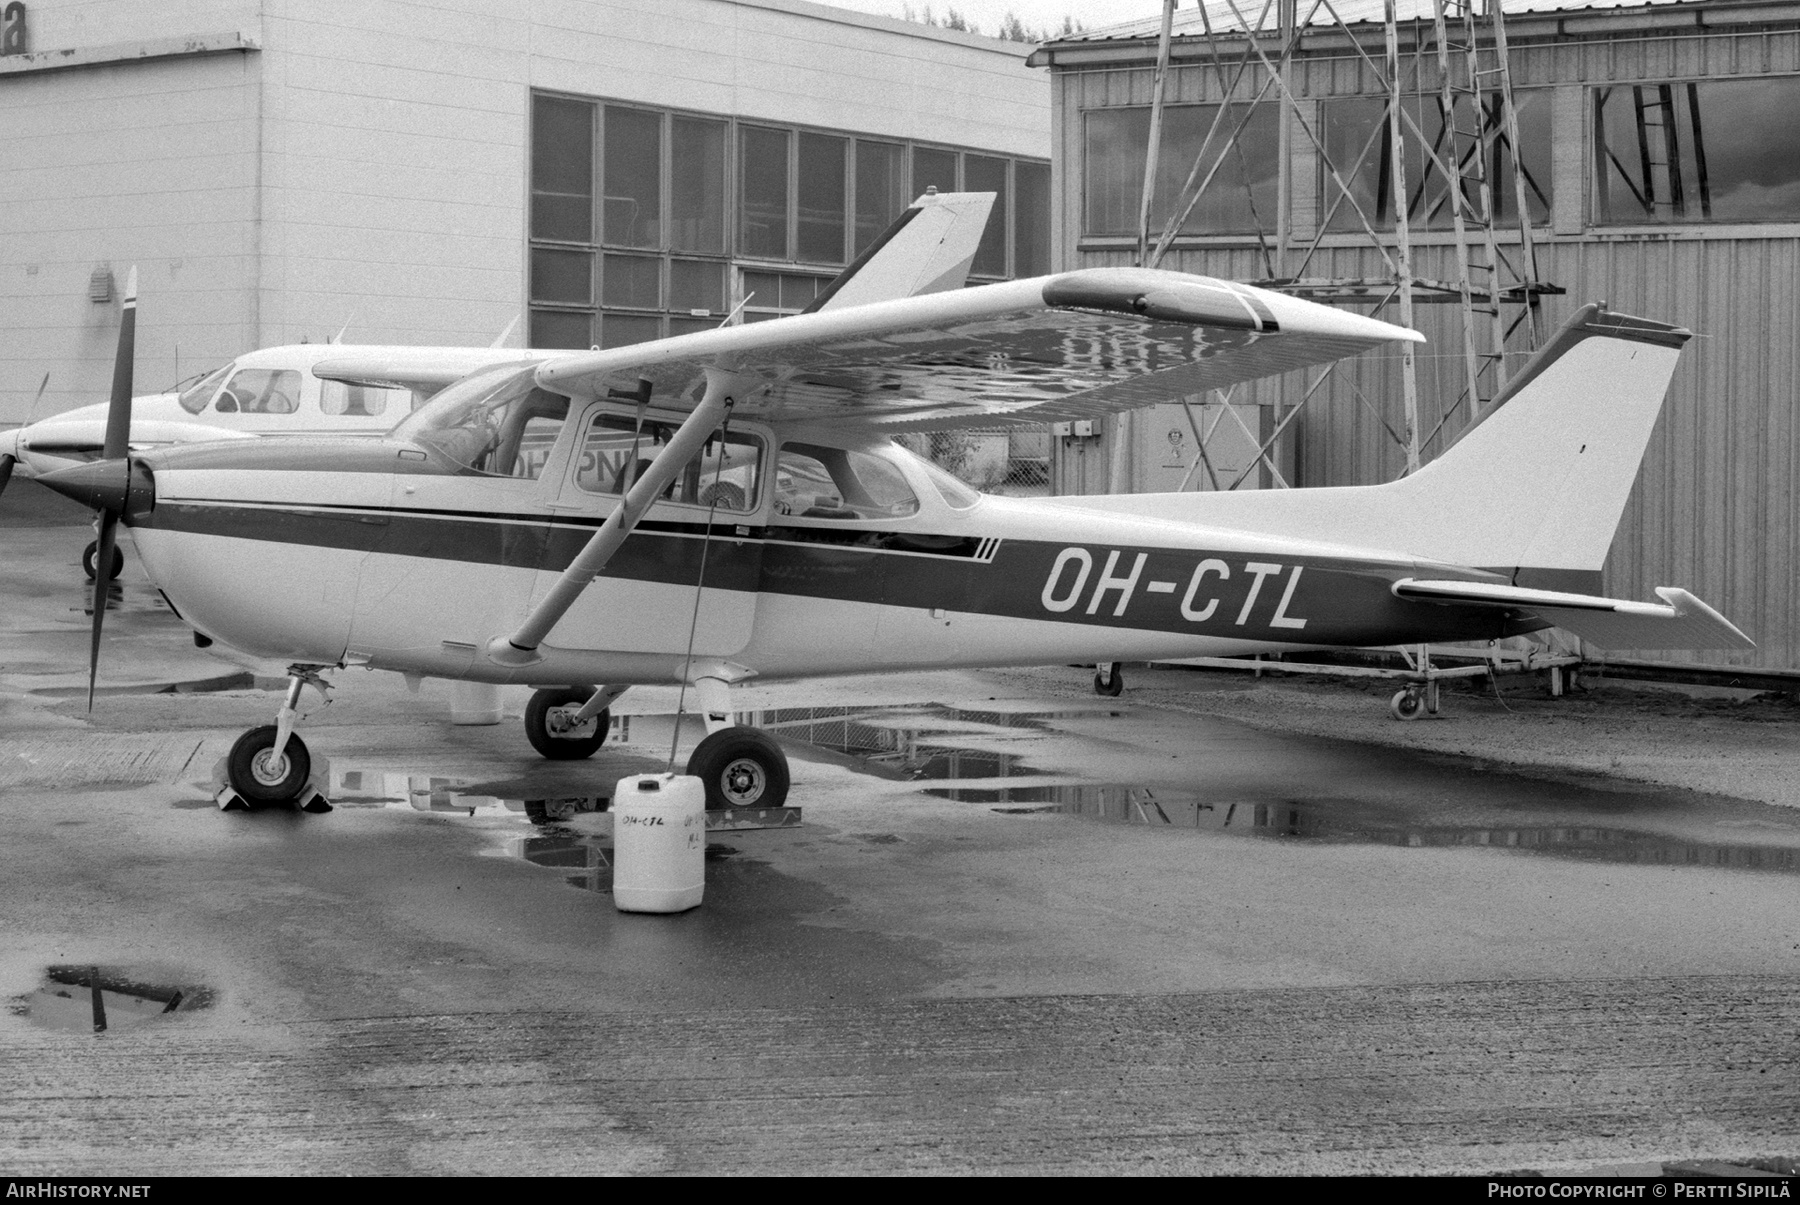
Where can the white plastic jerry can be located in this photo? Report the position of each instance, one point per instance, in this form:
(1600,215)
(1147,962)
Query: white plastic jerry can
(659,843)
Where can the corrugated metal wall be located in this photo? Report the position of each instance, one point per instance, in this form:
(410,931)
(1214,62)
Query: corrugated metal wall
(1716,508)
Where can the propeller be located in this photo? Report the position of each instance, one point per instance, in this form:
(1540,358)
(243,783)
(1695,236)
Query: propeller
(8,459)
(113,456)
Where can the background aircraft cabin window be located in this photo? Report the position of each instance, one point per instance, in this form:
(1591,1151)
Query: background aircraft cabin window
(562,169)
(193,399)
(880,189)
(616,451)
(496,423)
(633,177)
(1355,133)
(1705,151)
(817,482)
(1240,199)
(763,176)
(260,391)
(335,397)
(819,223)
(697,185)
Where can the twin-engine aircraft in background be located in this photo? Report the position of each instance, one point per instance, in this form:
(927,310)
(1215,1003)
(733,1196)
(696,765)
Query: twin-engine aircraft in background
(281,391)
(729,505)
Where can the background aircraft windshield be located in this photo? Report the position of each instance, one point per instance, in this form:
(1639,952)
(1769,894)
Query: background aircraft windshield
(193,399)
(495,423)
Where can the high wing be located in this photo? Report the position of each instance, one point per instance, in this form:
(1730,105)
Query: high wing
(423,368)
(1684,622)
(1072,346)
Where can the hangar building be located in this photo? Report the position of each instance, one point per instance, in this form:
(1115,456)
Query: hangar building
(1660,158)
(608,170)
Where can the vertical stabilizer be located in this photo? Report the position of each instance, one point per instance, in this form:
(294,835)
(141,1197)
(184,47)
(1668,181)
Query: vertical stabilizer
(928,249)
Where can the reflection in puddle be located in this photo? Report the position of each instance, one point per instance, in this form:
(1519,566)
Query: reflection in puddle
(1350,821)
(929,741)
(78,999)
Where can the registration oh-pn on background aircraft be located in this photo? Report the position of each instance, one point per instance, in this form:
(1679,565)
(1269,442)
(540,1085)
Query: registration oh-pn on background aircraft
(279,391)
(729,505)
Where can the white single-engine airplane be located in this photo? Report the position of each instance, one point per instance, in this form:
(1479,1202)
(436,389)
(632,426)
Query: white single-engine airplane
(278,391)
(729,505)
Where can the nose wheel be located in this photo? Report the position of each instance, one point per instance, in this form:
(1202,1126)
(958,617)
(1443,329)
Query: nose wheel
(91,553)
(270,764)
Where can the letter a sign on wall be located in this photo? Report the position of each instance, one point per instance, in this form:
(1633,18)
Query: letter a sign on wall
(12,29)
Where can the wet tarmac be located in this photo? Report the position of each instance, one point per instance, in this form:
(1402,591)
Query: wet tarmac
(1018,930)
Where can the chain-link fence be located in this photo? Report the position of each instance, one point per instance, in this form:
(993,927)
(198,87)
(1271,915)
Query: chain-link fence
(996,460)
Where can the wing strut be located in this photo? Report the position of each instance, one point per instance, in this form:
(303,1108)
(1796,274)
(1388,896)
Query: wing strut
(521,648)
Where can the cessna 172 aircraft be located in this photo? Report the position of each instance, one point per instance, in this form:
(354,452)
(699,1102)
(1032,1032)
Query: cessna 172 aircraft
(274,391)
(728,505)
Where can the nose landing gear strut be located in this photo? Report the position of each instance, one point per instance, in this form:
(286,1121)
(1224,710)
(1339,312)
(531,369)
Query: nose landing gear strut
(270,764)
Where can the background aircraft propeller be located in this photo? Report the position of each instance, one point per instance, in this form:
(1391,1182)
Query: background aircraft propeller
(7,459)
(114,456)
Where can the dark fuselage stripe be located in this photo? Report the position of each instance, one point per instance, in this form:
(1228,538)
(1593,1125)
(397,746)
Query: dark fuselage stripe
(1228,594)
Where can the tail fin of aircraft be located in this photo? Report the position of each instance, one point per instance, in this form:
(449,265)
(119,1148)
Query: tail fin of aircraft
(928,249)
(1534,489)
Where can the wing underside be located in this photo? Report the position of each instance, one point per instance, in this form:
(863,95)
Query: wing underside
(1080,345)
(1681,621)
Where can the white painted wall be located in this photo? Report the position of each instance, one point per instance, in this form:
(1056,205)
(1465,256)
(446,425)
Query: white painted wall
(367,165)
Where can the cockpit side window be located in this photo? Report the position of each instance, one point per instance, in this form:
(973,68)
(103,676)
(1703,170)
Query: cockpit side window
(616,450)
(193,399)
(260,391)
(813,481)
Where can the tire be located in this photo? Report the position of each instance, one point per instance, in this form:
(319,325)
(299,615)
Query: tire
(248,770)
(741,768)
(562,748)
(1407,705)
(1112,687)
(93,550)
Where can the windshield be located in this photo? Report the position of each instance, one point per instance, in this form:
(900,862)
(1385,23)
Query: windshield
(495,422)
(193,399)
(813,481)
(956,493)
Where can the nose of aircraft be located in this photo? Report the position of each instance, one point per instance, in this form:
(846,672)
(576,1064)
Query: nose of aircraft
(118,486)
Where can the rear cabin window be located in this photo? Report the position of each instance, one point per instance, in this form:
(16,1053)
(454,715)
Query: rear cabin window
(260,391)
(362,401)
(616,450)
(816,482)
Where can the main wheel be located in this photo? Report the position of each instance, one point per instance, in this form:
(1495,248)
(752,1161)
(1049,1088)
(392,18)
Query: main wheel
(92,551)
(261,778)
(1112,687)
(1408,704)
(742,768)
(555,745)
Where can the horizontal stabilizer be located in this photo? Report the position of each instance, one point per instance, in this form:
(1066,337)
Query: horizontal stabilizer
(1680,622)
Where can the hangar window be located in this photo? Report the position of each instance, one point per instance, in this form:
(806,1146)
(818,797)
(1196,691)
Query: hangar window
(647,222)
(1355,132)
(1697,151)
(616,451)
(1240,198)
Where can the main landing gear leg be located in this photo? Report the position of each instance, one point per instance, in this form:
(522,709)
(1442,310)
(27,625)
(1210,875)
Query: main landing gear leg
(272,765)
(740,767)
(1109,679)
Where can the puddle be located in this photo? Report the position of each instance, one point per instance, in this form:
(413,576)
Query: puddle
(929,741)
(585,860)
(1353,822)
(86,999)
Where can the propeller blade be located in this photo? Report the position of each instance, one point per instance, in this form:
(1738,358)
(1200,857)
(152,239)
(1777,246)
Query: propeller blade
(6,468)
(31,414)
(109,530)
(118,414)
